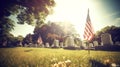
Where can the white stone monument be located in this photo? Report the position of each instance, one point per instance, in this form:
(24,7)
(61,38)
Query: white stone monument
(80,43)
(106,39)
(36,45)
(26,45)
(84,45)
(56,43)
(30,44)
(20,44)
(91,45)
(42,45)
(61,44)
(95,43)
(101,44)
(47,45)
(69,42)
(52,45)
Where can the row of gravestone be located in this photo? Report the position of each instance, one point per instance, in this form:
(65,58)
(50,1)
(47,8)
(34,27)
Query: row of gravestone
(69,42)
(61,45)
(47,45)
(89,45)
(106,39)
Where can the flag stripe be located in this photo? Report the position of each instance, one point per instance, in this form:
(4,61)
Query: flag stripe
(39,40)
(90,24)
(88,31)
(86,35)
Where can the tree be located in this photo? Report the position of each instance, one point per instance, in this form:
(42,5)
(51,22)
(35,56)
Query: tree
(113,30)
(28,39)
(34,10)
(51,31)
(26,11)
(20,38)
(6,25)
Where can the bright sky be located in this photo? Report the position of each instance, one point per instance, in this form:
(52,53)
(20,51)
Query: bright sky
(21,29)
(102,13)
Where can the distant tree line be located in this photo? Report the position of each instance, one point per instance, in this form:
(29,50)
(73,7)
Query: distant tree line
(48,32)
(113,30)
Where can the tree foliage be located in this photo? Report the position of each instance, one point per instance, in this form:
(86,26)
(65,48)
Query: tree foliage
(51,31)
(34,10)
(28,39)
(6,25)
(113,30)
(27,11)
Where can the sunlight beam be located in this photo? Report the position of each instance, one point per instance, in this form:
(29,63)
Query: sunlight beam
(75,12)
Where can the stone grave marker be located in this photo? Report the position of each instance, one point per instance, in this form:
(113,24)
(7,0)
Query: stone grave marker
(56,43)
(47,45)
(106,39)
(91,45)
(69,42)
(95,43)
(61,44)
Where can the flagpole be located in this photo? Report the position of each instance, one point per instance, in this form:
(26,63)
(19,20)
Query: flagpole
(88,31)
(88,48)
(87,42)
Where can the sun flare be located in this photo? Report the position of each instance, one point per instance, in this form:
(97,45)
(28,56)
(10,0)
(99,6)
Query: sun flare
(75,12)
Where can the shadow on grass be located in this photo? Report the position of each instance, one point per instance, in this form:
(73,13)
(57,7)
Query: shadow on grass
(108,48)
(28,50)
(95,63)
(72,48)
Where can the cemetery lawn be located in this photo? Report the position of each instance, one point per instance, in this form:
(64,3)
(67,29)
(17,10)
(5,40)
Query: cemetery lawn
(48,57)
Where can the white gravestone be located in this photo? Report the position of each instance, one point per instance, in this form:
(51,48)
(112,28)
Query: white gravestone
(69,41)
(95,43)
(47,45)
(101,43)
(42,45)
(20,44)
(26,45)
(52,45)
(36,45)
(61,44)
(91,45)
(80,43)
(30,44)
(56,43)
(84,45)
(106,39)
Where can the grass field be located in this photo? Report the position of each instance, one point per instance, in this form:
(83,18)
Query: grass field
(48,57)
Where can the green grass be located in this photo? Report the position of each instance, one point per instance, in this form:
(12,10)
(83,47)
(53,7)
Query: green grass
(47,57)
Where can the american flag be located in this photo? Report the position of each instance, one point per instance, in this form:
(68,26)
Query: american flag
(39,41)
(88,31)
